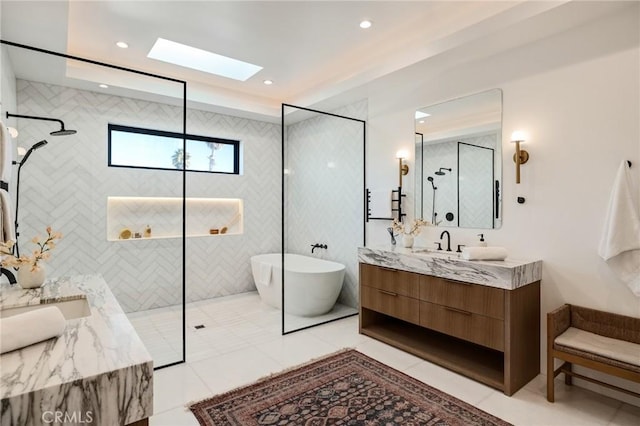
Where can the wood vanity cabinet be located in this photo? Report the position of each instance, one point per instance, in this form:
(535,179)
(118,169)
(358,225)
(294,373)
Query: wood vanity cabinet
(489,334)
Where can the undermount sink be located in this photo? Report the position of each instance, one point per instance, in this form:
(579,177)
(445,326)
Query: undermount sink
(71,309)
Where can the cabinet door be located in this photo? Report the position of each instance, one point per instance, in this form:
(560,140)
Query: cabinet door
(389,303)
(392,280)
(479,299)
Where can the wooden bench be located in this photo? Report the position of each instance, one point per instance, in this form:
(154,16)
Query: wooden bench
(602,341)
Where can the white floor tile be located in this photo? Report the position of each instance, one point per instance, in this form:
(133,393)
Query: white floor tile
(176,386)
(627,415)
(296,348)
(573,407)
(228,371)
(242,342)
(176,417)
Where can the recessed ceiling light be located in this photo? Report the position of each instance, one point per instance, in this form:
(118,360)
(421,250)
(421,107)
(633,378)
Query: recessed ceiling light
(201,60)
(420,114)
(103,86)
(365,24)
(268,82)
(122,45)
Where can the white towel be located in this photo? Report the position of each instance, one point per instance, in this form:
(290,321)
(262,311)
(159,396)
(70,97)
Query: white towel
(620,242)
(484,253)
(380,204)
(264,274)
(22,330)
(7,231)
(6,153)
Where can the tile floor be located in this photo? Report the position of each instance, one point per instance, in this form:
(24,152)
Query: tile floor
(242,343)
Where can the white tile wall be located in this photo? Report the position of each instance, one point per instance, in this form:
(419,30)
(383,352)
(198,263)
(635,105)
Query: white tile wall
(66,185)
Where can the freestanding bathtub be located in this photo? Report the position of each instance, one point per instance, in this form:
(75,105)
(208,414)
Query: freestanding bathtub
(311,285)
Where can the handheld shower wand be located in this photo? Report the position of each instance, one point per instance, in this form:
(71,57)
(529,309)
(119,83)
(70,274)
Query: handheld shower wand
(35,146)
(433,200)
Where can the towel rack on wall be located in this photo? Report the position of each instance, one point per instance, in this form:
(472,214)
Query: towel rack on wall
(396,205)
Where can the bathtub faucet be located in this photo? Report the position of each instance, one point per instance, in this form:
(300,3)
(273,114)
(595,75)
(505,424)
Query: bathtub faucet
(315,246)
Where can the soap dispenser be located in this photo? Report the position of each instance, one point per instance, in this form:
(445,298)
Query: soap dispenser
(482,243)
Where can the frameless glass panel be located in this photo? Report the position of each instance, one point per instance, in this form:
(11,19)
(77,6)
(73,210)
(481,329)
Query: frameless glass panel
(120,225)
(323,215)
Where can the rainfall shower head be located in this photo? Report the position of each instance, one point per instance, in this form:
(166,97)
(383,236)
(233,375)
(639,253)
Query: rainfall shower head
(61,132)
(440,172)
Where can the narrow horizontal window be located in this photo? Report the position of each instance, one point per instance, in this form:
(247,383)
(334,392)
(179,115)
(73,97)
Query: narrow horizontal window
(156,149)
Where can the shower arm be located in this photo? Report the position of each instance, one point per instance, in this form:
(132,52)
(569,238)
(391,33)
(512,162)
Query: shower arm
(32,117)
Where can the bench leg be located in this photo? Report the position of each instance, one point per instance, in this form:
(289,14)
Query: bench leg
(568,379)
(550,377)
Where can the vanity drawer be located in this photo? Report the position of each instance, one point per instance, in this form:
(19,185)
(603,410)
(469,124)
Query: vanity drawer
(475,298)
(465,325)
(390,303)
(393,280)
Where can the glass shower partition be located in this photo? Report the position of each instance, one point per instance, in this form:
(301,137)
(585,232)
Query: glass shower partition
(115,189)
(322,215)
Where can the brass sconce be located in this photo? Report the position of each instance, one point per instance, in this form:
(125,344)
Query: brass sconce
(403,167)
(521,156)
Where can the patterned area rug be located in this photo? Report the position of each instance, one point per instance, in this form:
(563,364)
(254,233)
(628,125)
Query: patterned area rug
(346,388)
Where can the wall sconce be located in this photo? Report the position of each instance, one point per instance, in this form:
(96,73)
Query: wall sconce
(403,167)
(521,156)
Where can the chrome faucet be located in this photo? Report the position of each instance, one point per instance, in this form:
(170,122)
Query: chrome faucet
(448,239)
(393,237)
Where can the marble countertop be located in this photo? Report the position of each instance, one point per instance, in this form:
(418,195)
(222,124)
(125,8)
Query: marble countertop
(508,274)
(14,296)
(98,368)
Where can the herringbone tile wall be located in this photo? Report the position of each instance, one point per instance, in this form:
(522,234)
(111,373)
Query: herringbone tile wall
(324,190)
(66,184)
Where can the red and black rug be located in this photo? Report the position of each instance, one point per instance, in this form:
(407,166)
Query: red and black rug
(347,388)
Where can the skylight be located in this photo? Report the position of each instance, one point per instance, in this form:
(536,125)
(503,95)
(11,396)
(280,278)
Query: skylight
(201,60)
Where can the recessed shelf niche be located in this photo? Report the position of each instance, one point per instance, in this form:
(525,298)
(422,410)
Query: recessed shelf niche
(164,216)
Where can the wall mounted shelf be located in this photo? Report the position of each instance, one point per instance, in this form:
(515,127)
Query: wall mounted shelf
(164,216)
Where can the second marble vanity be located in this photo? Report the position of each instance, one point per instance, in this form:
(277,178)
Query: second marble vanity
(478,318)
(97,372)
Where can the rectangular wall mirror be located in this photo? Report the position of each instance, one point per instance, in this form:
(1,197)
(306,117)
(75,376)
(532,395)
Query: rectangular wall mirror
(459,162)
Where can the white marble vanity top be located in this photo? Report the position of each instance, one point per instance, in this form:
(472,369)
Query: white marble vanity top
(507,274)
(98,365)
(14,296)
